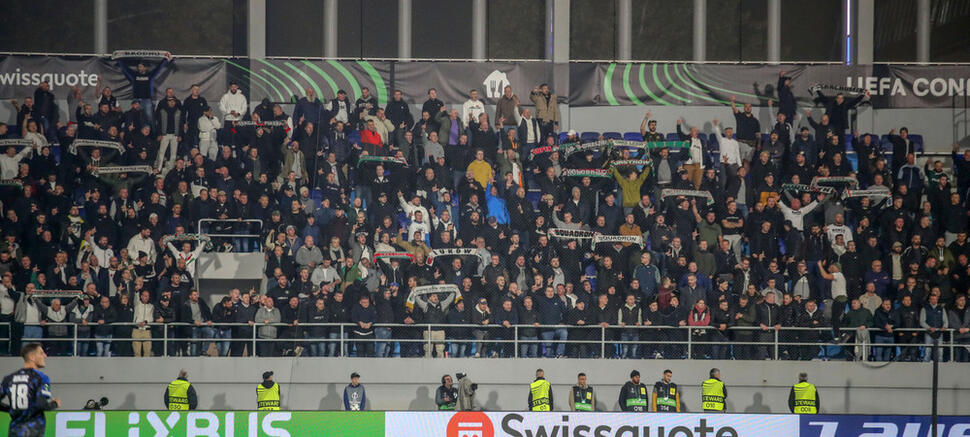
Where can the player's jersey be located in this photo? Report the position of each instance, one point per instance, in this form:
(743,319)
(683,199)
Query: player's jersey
(28,394)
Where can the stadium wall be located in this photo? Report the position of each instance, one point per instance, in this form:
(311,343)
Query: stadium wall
(409,384)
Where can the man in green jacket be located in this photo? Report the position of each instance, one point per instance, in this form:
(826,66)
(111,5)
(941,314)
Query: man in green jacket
(858,320)
(630,185)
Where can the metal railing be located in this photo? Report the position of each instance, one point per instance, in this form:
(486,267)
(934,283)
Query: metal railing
(518,341)
(230,222)
(241,233)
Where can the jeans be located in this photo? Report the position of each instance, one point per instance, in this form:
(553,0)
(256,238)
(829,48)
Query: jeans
(201,332)
(882,353)
(628,350)
(458,350)
(333,348)
(961,352)
(147,107)
(317,348)
(554,334)
(223,346)
(384,348)
(33,333)
(103,347)
(528,350)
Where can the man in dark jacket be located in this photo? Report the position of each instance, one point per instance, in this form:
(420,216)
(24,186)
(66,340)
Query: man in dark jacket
(245,313)
(837,109)
(552,311)
(768,318)
(786,99)
(363,317)
(196,312)
(398,112)
(309,109)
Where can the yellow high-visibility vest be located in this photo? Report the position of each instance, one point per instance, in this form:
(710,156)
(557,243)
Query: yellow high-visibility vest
(268,398)
(540,395)
(178,395)
(712,395)
(805,398)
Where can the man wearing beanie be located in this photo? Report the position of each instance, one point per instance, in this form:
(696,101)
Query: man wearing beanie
(633,394)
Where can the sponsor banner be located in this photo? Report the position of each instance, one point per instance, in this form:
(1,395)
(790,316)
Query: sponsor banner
(212,423)
(565,424)
(453,80)
(679,84)
(20,76)
(881,426)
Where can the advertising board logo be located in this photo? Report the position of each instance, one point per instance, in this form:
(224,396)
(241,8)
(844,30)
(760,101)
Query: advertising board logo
(495,84)
(470,424)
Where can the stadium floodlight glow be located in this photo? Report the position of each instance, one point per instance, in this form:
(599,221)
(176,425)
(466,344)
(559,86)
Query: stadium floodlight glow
(848,32)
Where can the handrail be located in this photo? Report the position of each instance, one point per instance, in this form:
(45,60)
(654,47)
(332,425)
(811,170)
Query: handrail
(489,326)
(686,345)
(572,61)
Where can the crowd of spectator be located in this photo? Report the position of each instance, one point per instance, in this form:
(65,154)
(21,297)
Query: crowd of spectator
(741,236)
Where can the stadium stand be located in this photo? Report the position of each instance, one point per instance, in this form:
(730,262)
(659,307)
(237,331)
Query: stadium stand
(382,241)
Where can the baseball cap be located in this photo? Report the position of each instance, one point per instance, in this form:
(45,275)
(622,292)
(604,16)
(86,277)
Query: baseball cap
(354,375)
(267,374)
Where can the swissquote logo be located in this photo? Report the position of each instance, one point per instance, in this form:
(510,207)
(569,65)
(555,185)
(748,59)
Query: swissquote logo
(470,424)
(495,84)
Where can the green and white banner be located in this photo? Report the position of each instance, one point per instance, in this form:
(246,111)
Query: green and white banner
(212,423)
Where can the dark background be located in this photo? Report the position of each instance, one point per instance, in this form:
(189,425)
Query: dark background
(810,30)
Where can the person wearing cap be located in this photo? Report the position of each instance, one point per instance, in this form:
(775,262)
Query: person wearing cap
(180,394)
(666,396)
(268,394)
(446,397)
(713,393)
(803,397)
(355,398)
(634,395)
(540,393)
(583,398)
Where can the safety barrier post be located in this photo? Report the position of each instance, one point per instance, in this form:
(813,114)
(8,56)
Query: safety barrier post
(602,342)
(776,343)
(515,341)
(690,342)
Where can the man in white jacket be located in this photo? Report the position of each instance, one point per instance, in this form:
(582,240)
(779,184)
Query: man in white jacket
(142,242)
(730,150)
(233,106)
(208,132)
(472,108)
(10,161)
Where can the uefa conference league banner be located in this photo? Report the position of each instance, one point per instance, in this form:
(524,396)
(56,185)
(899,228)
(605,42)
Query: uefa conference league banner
(678,84)
(579,84)
(485,424)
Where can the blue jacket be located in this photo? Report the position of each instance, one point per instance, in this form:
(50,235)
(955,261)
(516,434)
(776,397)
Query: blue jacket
(310,111)
(496,207)
(551,311)
(649,277)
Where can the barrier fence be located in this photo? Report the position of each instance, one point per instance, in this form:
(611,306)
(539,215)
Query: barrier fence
(486,424)
(511,341)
